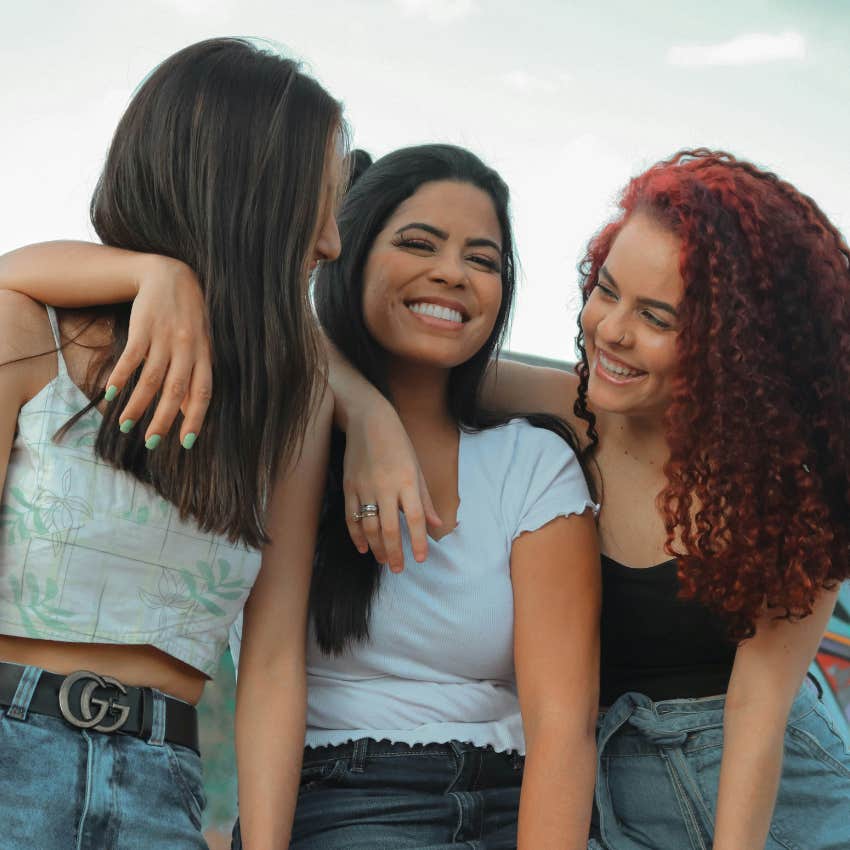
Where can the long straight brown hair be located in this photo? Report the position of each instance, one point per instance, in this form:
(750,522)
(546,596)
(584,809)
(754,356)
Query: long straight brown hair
(220,161)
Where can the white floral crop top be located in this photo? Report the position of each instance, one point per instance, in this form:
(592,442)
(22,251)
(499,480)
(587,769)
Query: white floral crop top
(90,554)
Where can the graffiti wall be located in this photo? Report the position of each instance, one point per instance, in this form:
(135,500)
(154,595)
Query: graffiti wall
(832,664)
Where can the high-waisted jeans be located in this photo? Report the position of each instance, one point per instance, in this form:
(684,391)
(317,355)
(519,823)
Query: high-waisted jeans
(659,767)
(370,795)
(63,788)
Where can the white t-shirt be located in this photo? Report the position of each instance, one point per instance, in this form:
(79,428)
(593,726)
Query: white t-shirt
(439,663)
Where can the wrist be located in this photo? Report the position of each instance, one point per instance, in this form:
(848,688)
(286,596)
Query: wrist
(149,268)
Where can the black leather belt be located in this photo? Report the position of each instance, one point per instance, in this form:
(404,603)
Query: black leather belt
(86,700)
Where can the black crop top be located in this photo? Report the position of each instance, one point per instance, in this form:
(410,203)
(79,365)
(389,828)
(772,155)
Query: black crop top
(655,643)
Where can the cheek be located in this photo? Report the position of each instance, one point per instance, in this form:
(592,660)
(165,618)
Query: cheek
(589,321)
(663,356)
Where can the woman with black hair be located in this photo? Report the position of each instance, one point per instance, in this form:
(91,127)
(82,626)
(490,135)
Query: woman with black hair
(124,558)
(414,733)
(437,694)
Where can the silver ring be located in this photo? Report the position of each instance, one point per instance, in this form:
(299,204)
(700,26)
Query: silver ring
(365,511)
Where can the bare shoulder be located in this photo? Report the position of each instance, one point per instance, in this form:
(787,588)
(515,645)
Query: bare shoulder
(525,388)
(27,348)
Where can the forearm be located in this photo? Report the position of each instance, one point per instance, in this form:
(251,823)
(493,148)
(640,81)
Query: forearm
(353,395)
(270,723)
(753,739)
(79,274)
(557,790)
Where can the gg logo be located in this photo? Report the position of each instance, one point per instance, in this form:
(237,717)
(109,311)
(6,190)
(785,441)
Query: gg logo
(87,718)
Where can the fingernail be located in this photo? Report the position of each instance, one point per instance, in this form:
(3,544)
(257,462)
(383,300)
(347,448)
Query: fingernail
(152,442)
(111,392)
(189,440)
(127,425)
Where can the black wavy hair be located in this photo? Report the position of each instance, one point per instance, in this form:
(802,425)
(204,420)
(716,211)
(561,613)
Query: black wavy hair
(344,581)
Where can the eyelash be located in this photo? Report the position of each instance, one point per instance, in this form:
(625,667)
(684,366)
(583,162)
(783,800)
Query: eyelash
(650,317)
(424,245)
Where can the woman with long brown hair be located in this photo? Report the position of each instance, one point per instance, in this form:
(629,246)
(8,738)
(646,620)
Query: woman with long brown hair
(124,558)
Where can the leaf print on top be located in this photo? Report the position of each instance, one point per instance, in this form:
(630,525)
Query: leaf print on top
(37,604)
(214,585)
(183,590)
(46,514)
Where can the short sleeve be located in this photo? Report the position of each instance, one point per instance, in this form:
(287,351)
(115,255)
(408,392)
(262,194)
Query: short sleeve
(545,481)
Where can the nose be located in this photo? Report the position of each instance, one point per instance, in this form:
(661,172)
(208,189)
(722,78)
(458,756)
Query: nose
(448,270)
(328,245)
(613,329)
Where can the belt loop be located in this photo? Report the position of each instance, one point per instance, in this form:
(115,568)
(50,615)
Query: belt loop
(23,693)
(157,722)
(358,755)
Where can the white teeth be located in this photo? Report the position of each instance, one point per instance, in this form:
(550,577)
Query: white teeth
(436,310)
(614,368)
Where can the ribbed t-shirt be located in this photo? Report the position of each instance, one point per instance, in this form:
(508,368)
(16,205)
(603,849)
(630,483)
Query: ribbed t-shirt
(439,663)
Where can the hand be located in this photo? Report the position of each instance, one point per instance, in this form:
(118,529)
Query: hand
(169,332)
(381,468)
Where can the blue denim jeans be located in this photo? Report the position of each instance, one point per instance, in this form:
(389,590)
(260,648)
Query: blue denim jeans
(371,795)
(659,766)
(63,788)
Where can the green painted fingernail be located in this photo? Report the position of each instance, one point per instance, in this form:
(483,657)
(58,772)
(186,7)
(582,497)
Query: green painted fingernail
(127,425)
(189,440)
(111,392)
(152,442)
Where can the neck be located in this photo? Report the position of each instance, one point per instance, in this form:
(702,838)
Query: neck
(640,437)
(420,395)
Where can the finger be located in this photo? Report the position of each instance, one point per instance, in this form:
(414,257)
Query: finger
(431,515)
(174,390)
(197,403)
(355,529)
(391,531)
(131,358)
(372,529)
(414,516)
(149,383)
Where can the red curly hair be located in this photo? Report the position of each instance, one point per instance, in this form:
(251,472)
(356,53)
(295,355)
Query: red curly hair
(759,423)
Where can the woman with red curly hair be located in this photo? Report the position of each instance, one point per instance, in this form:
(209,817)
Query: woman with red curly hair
(714,389)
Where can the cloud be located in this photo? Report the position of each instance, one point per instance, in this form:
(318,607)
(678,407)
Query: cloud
(751,49)
(438,11)
(524,82)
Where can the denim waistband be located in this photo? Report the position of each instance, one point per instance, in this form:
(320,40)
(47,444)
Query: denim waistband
(359,752)
(668,722)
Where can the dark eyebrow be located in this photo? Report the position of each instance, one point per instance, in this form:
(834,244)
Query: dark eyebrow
(428,228)
(441,234)
(649,302)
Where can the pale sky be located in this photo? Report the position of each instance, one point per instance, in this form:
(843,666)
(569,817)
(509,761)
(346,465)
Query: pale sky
(566,99)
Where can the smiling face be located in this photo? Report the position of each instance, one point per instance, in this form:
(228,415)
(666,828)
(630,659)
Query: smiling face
(630,321)
(432,283)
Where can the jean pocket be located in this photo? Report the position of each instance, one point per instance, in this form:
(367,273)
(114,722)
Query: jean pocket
(815,735)
(188,777)
(319,775)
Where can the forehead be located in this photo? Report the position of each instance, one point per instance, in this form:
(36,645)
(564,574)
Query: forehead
(644,260)
(460,209)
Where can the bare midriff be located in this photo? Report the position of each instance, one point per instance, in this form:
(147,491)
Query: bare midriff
(141,665)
